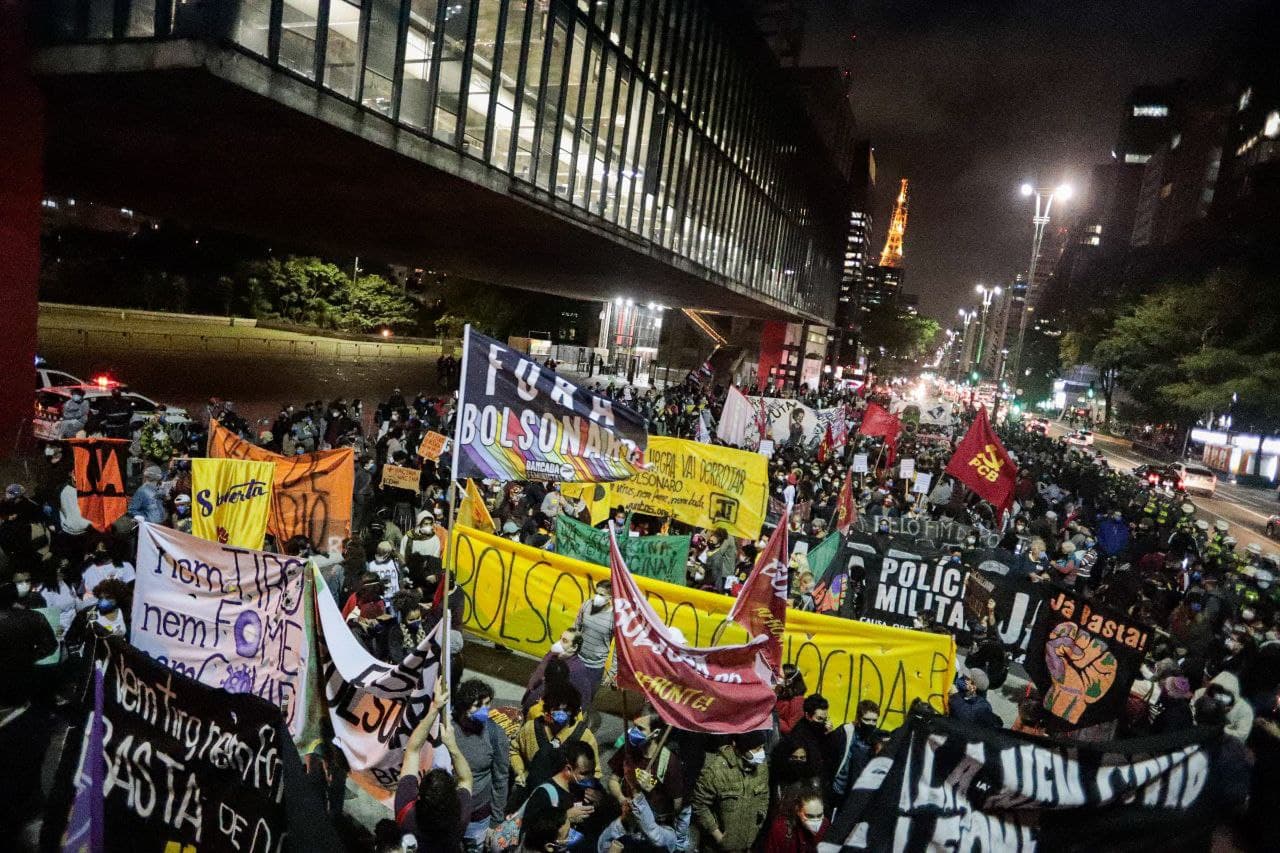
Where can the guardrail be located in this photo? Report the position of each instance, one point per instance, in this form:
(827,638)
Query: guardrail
(98,341)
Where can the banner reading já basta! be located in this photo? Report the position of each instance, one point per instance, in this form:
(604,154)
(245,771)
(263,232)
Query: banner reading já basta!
(524,598)
(941,784)
(310,494)
(518,420)
(228,617)
(1083,656)
(99,477)
(661,557)
(187,766)
(231,499)
(700,484)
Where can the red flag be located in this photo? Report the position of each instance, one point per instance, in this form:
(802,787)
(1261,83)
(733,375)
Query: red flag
(878,422)
(981,463)
(761,606)
(824,448)
(721,690)
(846,508)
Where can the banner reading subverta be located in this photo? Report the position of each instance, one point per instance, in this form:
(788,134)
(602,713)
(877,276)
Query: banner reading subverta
(524,598)
(518,420)
(232,499)
(311,493)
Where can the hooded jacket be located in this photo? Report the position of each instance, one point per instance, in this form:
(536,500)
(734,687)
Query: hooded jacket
(1240,717)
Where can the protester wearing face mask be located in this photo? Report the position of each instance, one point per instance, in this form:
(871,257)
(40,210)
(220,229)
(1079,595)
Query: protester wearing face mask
(800,823)
(561,663)
(594,623)
(731,797)
(856,743)
(647,783)
(384,565)
(426,539)
(487,751)
(555,721)
(103,566)
(109,615)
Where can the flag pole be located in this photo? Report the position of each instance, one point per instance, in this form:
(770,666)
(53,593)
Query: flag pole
(453,508)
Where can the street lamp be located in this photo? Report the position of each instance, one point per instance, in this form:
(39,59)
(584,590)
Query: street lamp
(987,294)
(967,317)
(1044,203)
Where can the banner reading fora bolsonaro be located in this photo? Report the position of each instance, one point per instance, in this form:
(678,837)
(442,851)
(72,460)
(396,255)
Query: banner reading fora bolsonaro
(518,420)
(231,501)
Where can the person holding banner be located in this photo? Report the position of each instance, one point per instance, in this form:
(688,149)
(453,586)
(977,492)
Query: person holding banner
(434,808)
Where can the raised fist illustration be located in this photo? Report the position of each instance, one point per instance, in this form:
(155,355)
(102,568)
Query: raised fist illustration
(1082,670)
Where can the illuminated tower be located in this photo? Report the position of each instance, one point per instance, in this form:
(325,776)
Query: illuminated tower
(892,254)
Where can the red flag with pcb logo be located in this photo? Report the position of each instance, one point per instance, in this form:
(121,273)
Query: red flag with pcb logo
(761,606)
(719,690)
(982,464)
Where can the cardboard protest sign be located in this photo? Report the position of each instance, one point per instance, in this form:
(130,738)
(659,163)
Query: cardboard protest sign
(399,477)
(520,421)
(1083,656)
(433,444)
(98,473)
(231,500)
(940,784)
(310,494)
(660,557)
(228,617)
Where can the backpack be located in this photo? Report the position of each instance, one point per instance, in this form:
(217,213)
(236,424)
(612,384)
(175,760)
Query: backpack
(506,835)
(539,770)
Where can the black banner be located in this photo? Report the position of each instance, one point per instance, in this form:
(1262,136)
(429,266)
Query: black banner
(1083,657)
(901,585)
(518,420)
(1018,601)
(941,784)
(930,533)
(188,767)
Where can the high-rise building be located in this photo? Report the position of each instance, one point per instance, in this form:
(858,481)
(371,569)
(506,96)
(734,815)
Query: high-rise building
(1002,324)
(1148,113)
(843,347)
(881,286)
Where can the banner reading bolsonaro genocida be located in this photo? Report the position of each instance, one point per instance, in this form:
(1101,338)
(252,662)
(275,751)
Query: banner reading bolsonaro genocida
(518,420)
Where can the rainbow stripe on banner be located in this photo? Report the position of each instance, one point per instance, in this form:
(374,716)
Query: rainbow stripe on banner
(519,420)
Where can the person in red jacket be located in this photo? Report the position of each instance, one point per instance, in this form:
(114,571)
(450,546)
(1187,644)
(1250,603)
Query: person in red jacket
(791,692)
(800,822)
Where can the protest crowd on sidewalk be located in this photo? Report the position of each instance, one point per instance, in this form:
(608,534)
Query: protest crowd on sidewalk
(863,617)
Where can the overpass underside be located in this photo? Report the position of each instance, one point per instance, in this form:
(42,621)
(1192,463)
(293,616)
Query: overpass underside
(210,137)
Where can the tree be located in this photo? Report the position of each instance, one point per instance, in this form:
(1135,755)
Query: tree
(376,303)
(896,342)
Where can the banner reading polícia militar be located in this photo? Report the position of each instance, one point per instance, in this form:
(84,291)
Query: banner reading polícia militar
(518,420)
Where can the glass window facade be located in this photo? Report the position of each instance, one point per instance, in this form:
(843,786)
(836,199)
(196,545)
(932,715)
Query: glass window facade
(650,116)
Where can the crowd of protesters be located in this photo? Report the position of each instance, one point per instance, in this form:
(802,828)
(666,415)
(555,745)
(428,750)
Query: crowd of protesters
(538,777)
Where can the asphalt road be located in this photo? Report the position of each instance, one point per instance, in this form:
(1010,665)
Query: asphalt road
(1245,508)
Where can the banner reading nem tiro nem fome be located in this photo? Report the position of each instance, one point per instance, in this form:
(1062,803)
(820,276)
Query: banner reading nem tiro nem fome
(310,495)
(231,499)
(227,617)
(700,484)
(523,598)
(518,420)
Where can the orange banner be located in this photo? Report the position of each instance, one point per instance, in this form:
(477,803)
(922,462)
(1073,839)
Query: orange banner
(99,477)
(311,494)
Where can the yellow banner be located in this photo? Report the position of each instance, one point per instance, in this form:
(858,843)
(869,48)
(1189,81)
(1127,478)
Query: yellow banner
(699,484)
(524,598)
(230,501)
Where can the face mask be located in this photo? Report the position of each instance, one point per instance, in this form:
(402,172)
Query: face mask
(813,825)
(574,838)
(635,737)
(414,625)
(106,605)
(559,717)
(184,510)
(970,541)
(480,715)
(756,757)
(23,589)
(557,648)
(1246,615)
(599,600)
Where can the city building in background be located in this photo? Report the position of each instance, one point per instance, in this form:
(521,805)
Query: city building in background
(843,347)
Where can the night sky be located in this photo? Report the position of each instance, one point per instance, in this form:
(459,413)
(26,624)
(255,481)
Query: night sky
(969,99)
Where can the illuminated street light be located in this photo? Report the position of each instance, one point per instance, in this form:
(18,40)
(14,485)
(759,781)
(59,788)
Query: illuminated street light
(1039,220)
(1027,189)
(987,294)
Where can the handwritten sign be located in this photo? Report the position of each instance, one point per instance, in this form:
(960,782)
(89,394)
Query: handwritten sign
(859,463)
(922,483)
(396,477)
(433,444)
(906,468)
(228,617)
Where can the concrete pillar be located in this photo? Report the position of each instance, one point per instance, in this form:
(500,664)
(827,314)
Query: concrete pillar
(21,190)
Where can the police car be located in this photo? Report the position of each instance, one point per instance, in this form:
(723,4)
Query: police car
(47,423)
